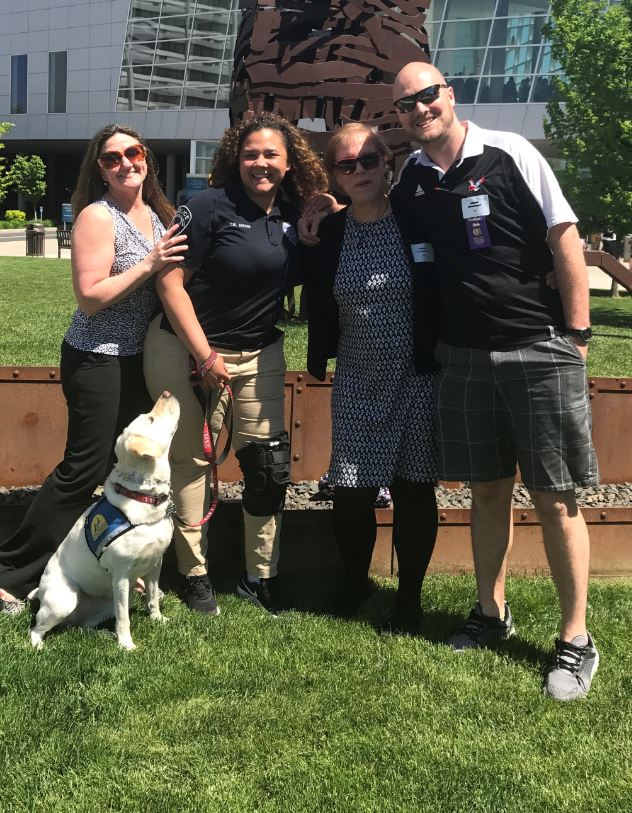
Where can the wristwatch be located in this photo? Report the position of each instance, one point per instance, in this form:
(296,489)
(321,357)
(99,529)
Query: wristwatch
(581,335)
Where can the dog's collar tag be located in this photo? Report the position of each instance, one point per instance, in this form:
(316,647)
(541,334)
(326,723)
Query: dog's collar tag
(103,524)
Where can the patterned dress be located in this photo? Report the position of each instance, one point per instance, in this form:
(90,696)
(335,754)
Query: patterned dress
(382,419)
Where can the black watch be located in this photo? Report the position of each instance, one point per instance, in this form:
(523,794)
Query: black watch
(581,335)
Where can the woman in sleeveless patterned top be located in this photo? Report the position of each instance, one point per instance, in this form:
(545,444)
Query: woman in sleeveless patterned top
(118,244)
(362,308)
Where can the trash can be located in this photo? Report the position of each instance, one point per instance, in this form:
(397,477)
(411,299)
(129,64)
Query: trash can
(34,241)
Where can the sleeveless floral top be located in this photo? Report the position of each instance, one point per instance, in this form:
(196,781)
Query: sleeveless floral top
(119,330)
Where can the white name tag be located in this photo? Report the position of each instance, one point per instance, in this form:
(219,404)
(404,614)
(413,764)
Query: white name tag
(476,206)
(423,252)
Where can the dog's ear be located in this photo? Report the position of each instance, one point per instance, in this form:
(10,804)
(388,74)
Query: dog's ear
(143,447)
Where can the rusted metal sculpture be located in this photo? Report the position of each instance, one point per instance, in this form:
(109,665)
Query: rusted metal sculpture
(327,60)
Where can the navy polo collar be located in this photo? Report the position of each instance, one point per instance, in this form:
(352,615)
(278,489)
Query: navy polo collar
(236,192)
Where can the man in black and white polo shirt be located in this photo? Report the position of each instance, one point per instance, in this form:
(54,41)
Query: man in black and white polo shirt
(512,388)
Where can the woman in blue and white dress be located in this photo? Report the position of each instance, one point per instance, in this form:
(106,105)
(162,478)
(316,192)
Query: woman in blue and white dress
(119,242)
(371,308)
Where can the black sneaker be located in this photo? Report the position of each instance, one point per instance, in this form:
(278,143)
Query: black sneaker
(571,675)
(262,595)
(199,595)
(480,631)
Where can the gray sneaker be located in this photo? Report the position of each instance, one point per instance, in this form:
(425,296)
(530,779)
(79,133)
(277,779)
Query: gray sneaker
(14,607)
(571,675)
(481,631)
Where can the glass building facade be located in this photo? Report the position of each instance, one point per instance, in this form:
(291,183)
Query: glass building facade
(178,54)
(492,51)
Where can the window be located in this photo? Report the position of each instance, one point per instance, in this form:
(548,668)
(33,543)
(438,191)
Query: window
(465,35)
(460,62)
(19,70)
(513,7)
(467,10)
(517,31)
(57,72)
(176,52)
(204,153)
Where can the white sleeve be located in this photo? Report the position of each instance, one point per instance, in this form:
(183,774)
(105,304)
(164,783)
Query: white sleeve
(539,177)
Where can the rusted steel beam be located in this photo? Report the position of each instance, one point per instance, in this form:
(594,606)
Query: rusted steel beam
(610,530)
(308,546)
(33,429)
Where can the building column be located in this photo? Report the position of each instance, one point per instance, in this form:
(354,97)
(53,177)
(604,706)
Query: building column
(170,182)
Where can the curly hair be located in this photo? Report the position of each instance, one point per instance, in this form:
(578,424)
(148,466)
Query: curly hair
(90,185)
(307,175)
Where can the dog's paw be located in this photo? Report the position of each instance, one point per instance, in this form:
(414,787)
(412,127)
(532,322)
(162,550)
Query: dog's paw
(127,644)
(37,641)
(160,618)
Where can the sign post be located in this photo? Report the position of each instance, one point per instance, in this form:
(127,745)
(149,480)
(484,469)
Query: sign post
(66,214)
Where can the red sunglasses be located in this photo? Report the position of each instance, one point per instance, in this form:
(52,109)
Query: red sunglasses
(134,154)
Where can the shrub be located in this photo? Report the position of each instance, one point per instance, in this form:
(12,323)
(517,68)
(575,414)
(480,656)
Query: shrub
(20,224)
(15,215)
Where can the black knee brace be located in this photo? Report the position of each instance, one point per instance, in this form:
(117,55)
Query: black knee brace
(266,468)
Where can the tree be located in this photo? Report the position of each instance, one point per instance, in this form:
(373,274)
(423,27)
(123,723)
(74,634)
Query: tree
(28,173)
(592,128)
(5,178)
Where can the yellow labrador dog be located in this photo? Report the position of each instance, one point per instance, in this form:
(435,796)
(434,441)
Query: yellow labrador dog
(119,539)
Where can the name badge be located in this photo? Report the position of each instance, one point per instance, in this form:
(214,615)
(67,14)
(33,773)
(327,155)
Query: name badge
(476,206)
(477,232)
(423,252)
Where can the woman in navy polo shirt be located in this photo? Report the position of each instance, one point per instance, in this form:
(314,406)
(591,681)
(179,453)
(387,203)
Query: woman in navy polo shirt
(220,308)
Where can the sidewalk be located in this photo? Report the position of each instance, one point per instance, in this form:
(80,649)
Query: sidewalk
(15,246)
(599,280)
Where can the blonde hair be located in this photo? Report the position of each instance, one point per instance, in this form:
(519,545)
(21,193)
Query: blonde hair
(90,185)
(306,176)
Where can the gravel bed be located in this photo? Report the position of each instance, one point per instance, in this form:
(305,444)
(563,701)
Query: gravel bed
(305,495)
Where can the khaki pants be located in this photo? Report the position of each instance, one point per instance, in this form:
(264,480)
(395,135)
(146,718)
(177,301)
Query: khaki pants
(257,382)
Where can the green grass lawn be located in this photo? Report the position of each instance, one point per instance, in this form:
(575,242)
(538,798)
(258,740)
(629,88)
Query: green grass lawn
(302,713)
(36,302)
(305,713)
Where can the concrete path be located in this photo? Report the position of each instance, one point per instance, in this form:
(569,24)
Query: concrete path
(11,246)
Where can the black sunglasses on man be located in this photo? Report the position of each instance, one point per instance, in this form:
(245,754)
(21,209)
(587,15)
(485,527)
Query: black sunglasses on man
(426,96)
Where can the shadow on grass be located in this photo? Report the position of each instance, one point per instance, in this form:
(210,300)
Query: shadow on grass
(437,625)
(610,313)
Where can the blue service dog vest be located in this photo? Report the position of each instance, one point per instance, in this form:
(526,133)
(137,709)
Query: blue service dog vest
(103,524)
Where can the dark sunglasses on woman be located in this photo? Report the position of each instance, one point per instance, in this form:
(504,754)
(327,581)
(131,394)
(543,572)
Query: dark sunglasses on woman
(134,154)
(426,96)
(367,161)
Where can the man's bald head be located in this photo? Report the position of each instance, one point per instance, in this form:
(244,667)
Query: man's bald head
(428,106)
(414,77)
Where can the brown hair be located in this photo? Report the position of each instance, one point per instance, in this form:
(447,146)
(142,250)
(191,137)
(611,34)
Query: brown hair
(90,185)
(329,157)
(306,176)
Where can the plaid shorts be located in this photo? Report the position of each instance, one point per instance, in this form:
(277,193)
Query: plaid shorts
(529,405)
